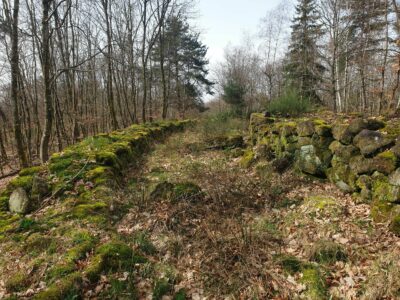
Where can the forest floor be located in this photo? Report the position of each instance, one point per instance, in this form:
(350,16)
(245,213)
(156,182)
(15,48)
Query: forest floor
(211,229)
(249,234)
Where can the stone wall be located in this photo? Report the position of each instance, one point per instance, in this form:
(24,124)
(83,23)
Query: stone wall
(361,156)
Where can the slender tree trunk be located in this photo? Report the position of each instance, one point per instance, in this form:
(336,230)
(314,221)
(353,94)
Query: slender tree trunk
(14,86)
(46,67)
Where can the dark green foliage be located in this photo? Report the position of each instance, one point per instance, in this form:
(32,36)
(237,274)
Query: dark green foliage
(185,55)
(26,224)
(327,252)
(303,69)
(180,295)
(234,94)
(290,103)
(290,264)
(144,244)
(161,288)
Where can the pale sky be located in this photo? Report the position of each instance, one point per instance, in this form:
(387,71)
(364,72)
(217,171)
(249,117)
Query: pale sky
(226,21)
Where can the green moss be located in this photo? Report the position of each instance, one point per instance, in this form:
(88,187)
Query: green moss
(186,191)
(96,172)
(180,295)
(381,211)
(395,225)
(388,155)
(290,263)
(60,270)
(161,288)
(37,242)
(4,203)
(107,158)
(327,252)
(24,182)
(17,282)
(315,283)
(8,222)
(117,255)
(66,288)
(31,171)
(84,211)
(247,158)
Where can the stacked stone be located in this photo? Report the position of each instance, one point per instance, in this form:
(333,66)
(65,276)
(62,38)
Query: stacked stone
(355,155)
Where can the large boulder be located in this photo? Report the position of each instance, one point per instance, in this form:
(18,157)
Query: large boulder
(343,152)
(384,163)
(19,202)
(309,162)
(342,133)
(305,128)
(394,178)
(370,142)
(343,177)
(357,125)
(40,188)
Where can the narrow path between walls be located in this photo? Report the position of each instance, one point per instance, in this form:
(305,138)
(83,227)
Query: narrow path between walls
(211,229)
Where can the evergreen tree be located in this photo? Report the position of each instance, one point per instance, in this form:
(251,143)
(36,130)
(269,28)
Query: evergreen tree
(303,69)
(185,59)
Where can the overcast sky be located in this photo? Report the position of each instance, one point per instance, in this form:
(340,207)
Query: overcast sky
(226,21)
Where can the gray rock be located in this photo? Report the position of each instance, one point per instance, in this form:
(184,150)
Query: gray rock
(361,165)
(19,201)
(309,162)
(344,187)
(370,142)
(394,178)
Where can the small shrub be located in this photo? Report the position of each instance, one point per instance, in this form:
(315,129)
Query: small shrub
(290,103)
(327,252)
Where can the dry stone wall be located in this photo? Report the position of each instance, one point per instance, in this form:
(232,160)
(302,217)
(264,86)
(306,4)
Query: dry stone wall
(361,156)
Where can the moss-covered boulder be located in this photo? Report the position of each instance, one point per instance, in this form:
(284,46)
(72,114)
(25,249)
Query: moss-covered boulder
(305,128)
(343,177)
(342,133)
(343,152)
(323,129)
(370,142)
(385,162)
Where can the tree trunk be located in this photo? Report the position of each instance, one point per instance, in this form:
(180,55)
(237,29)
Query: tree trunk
(46,67)
(14,87)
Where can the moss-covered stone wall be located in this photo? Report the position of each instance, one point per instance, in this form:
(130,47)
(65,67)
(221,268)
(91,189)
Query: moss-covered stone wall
(361,156)
(66,233)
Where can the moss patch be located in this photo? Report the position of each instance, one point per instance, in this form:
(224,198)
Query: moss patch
(315,283)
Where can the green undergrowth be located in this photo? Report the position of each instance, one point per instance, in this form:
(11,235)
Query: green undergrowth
(71,241)
(311,275)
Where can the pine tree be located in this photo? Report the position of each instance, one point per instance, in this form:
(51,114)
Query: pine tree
(185,58)
(303,69)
